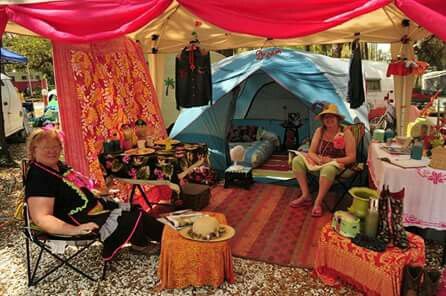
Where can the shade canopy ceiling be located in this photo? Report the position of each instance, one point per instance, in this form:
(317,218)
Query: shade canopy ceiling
(167,25)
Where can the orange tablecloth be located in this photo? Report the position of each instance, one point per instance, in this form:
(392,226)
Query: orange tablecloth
(186,263)
(374,273)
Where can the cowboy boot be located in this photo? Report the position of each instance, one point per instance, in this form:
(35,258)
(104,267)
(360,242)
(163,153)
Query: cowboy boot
(430,283)
(398,231)
(383,209)
(412,276)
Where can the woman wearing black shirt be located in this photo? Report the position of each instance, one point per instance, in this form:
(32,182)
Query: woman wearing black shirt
(60,201)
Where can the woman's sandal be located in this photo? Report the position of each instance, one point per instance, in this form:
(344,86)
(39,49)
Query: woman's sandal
(317,212)
(301,203)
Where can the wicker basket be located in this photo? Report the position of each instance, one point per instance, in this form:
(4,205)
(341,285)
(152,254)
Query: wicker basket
(438,160)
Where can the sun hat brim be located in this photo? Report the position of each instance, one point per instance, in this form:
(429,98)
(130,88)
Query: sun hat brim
(229,233)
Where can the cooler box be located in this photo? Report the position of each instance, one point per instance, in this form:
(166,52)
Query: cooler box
(195,196)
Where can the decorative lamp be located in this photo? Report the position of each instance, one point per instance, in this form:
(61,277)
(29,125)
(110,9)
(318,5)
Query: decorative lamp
(237,154)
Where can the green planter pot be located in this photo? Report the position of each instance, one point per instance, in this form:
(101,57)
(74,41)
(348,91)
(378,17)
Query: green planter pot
(361,200)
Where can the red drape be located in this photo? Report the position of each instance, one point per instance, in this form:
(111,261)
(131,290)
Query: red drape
(279,18)
(430,14)
(91,20)
(85,20)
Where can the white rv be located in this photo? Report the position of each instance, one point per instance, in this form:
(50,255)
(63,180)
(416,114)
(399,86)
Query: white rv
(13,115)
(432,82)
(378,85)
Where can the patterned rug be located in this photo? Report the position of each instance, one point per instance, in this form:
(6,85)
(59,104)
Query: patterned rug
(276,163)
(267,228)
(442,287)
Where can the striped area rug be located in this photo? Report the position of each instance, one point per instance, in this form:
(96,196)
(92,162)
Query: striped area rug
(276,163)
(267,228)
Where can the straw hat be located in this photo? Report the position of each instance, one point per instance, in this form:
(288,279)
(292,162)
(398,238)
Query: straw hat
(207,229)
(330,109)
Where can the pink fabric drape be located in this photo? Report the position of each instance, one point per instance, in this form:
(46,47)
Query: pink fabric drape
(91,20)
(279,18)
(86,20)
(3,20)
(430,14)
(101,86)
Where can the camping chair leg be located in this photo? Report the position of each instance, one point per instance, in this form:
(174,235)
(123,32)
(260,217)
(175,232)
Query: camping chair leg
(63,261)
(344,193)
(104,269)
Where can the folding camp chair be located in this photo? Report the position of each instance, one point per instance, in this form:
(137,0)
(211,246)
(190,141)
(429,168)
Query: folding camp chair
(36,236)
(347,177)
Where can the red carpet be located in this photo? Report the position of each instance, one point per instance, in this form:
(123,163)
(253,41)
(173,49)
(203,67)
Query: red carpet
(276,163)
(267,228)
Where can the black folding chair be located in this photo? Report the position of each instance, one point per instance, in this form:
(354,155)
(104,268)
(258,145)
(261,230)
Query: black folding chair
(36,236)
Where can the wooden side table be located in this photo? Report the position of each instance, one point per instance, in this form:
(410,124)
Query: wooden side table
(238,176)
(185,262)
(374,273)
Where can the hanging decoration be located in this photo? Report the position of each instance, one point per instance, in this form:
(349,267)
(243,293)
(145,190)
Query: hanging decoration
(169,83)
(193,84)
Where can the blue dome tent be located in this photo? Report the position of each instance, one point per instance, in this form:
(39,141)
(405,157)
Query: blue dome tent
(252,91)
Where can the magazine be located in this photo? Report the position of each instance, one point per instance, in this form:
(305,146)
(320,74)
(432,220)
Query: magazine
(180,219)
(316,167)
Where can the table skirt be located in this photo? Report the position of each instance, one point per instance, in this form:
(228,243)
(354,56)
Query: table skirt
(374,273)
(186,262)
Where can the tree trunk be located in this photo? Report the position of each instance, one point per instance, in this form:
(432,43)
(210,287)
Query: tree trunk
(337,50)
(5,157)
(365,51)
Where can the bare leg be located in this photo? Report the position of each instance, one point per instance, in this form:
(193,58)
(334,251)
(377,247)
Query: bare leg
(305,196)
(324,186)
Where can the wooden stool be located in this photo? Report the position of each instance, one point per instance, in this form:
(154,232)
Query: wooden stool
(238,176)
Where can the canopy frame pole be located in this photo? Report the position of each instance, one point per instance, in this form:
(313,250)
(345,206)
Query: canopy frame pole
(30,85)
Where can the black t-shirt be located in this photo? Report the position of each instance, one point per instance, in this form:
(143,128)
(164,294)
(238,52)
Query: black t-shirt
(45,182)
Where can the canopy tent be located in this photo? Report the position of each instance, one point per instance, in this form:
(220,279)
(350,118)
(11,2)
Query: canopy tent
(289,80)
(224,26)
(8,56)
(166,25)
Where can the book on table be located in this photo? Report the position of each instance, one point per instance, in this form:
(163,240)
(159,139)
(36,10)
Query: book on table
(180,219)
(405,162)
(315,167)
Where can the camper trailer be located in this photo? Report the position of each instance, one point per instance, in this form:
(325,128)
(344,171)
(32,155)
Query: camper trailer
(12,107)
(432,82)
(377,84)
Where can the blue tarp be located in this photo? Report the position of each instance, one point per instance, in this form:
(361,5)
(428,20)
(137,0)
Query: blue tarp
(307,78)
(8,56)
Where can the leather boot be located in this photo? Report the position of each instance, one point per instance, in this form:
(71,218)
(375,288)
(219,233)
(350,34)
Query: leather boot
(430,283)
(412,276)
(383,211)
(398,231)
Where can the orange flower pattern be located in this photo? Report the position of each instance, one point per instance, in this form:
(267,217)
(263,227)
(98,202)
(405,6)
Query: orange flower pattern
(114,87)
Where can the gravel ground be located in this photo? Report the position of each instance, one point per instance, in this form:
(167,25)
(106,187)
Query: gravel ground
(136,274)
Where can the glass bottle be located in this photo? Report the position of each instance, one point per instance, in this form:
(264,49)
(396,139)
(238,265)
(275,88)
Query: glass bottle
(417,150)
(372,218)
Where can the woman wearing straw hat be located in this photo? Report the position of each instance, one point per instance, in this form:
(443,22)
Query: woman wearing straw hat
(331,149)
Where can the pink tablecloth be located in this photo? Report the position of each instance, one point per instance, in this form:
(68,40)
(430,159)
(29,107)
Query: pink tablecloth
(425,194)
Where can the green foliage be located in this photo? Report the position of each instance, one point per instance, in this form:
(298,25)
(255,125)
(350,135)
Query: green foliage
(37,50)
(433,51)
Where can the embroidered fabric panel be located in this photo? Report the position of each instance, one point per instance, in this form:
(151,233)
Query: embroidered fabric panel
(103,85)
